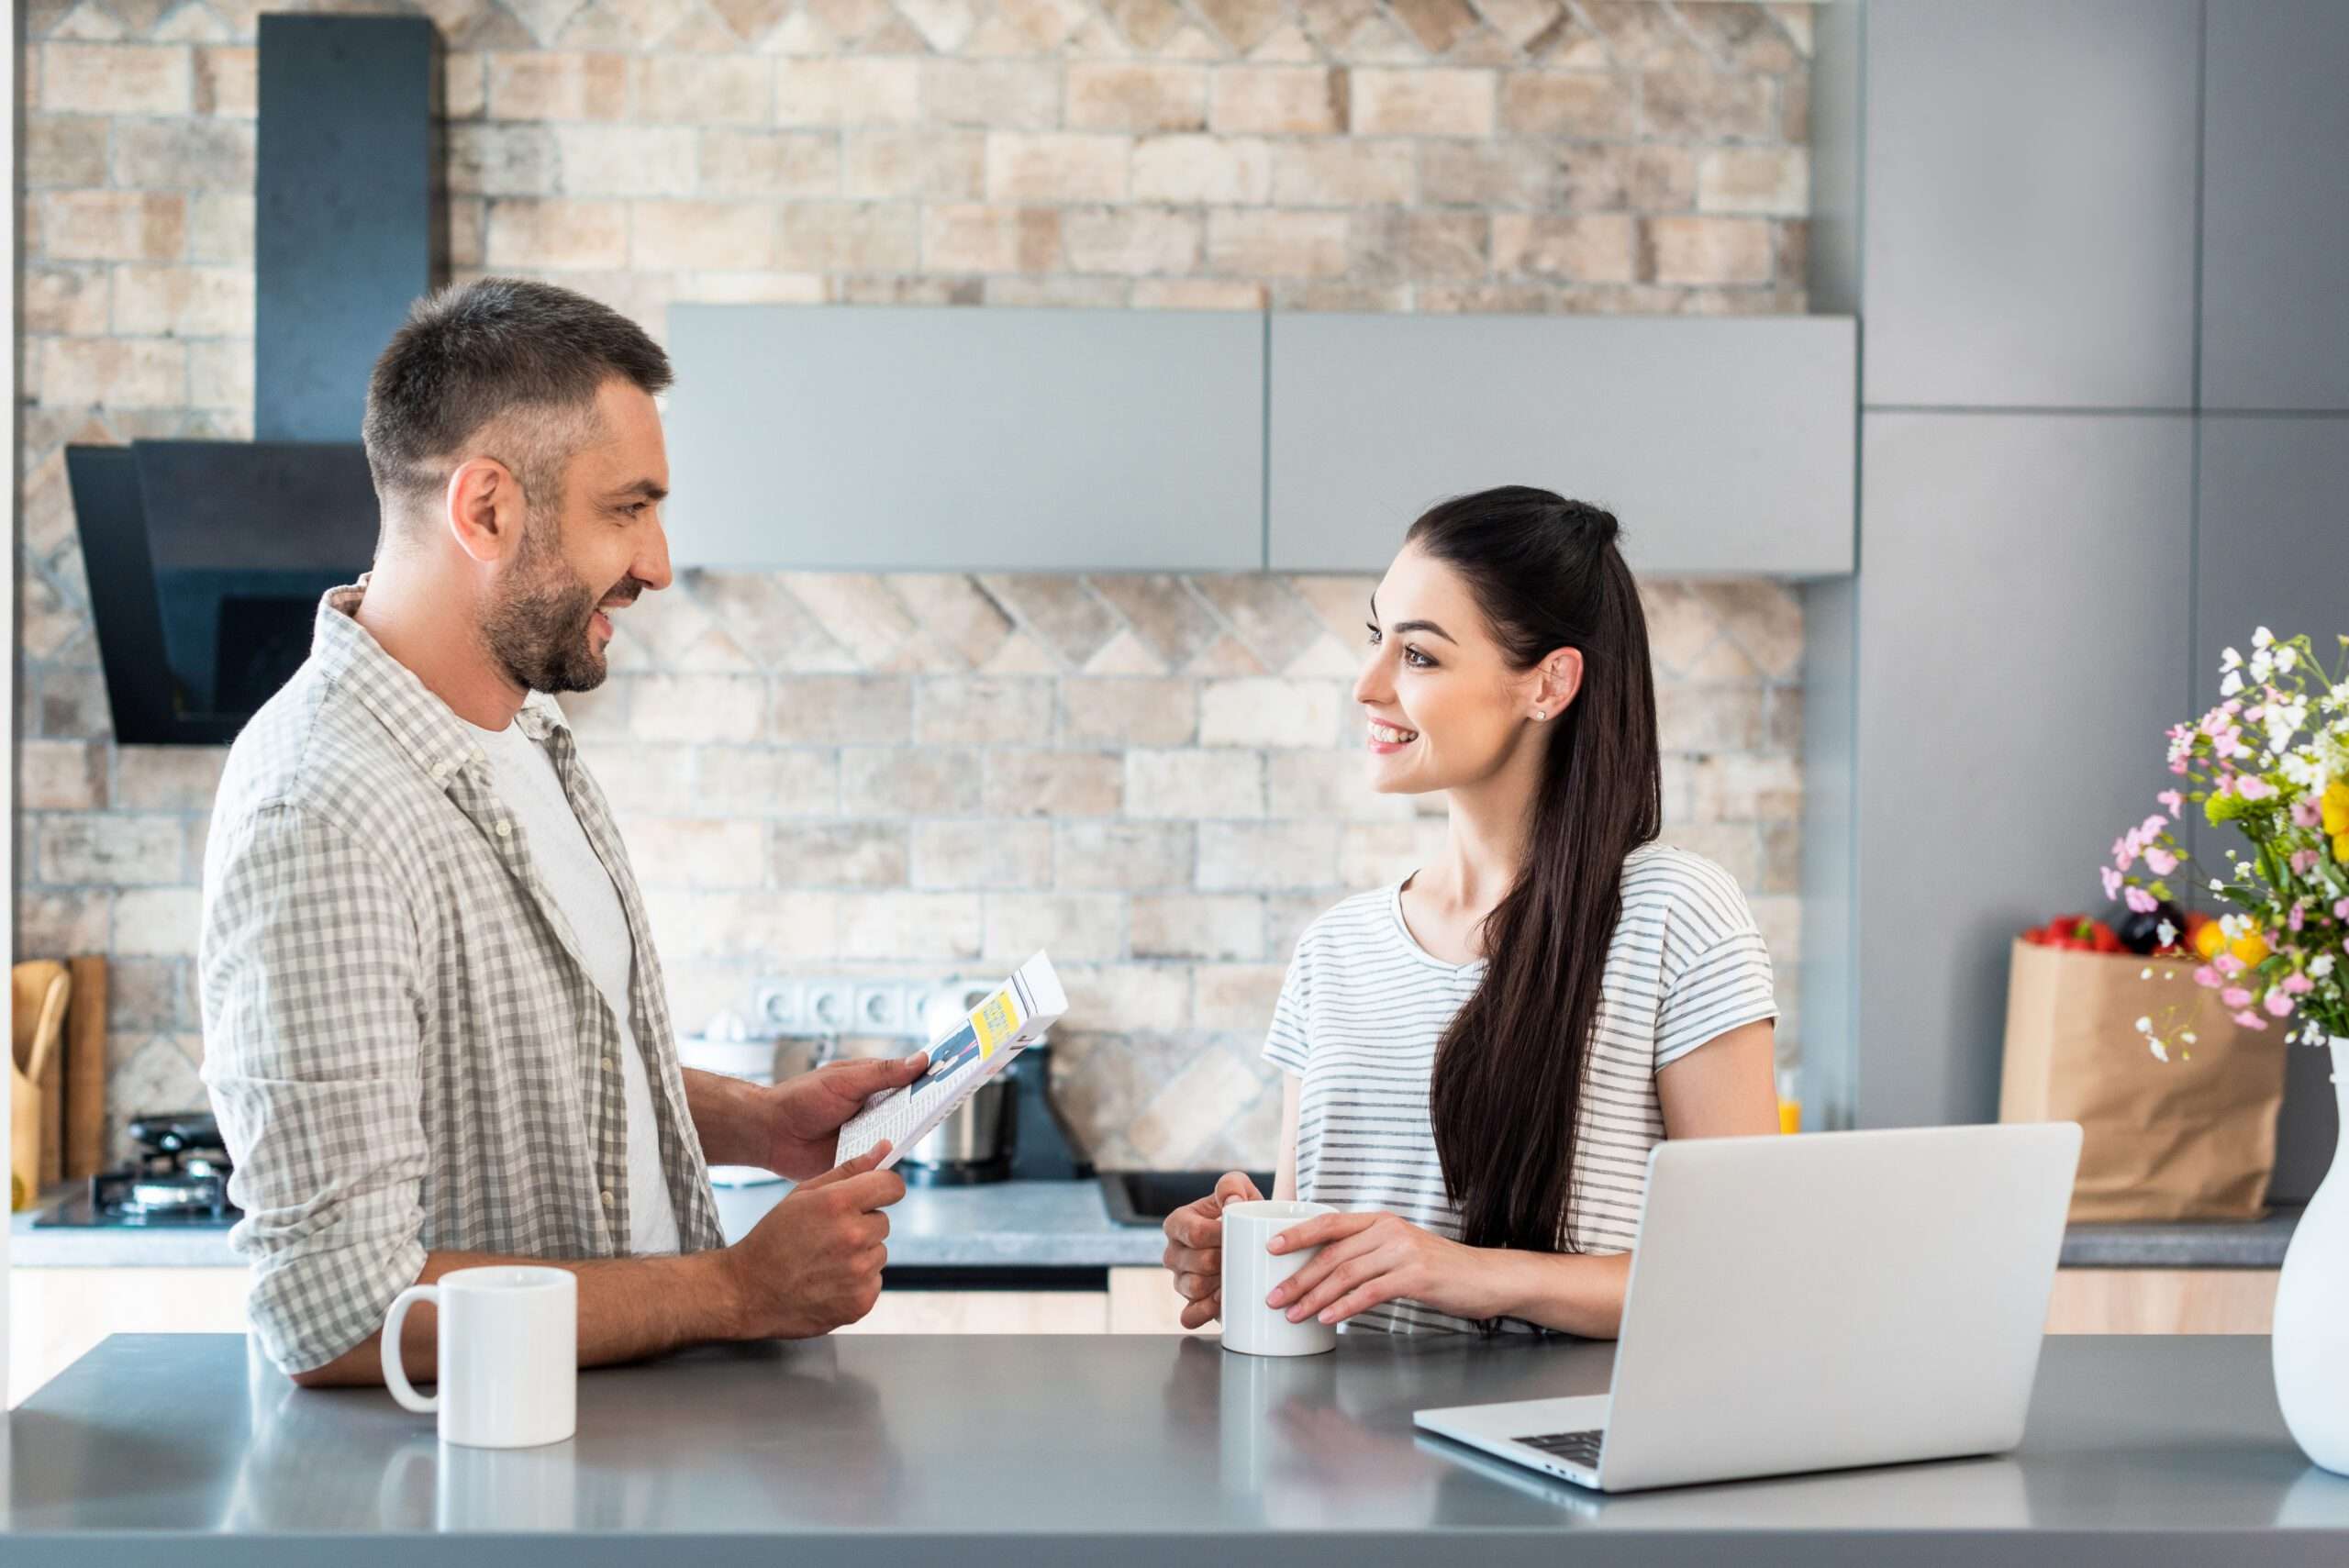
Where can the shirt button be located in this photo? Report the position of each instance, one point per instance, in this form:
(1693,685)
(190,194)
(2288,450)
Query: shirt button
(443,771)
(506,829)
(607,1200)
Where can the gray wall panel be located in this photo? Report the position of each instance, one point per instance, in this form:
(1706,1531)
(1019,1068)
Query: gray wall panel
(2029,191)
(1724,445)
(2276,206)
(2016,670)
(913,439)
(1836,157)
(2275,552)
(1829,851)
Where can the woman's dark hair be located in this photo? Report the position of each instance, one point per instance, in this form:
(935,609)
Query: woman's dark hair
(1508,1071)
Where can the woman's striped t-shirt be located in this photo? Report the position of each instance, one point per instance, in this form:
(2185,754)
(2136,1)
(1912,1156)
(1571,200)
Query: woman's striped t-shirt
(1364,1004)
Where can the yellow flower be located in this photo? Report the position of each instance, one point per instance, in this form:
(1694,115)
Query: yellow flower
(2252,948)
(2335,806)
(2340,849)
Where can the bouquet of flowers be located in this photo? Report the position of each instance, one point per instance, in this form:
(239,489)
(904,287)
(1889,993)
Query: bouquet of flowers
(2271,759)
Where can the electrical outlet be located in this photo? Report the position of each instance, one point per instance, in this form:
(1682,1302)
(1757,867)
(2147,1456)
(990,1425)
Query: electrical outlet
(832,1007)
(779,1005)
(879,1010)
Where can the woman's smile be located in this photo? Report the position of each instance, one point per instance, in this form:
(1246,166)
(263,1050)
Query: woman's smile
(1388,739)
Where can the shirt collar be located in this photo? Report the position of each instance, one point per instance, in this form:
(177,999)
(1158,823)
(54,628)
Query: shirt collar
(438,742)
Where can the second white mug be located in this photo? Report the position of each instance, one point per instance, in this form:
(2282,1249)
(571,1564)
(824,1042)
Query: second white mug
(1250,1273)
(509,1355)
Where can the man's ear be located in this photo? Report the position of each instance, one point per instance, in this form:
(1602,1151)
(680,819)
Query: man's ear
(485,508)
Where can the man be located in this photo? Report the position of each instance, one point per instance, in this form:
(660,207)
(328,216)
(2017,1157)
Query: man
(435,1032)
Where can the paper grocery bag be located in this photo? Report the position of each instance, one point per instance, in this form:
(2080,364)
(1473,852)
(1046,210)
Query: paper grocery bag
(2192,1137)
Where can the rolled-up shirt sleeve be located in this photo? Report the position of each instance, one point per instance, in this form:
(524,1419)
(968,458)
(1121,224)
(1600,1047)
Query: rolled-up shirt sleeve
(313,1032)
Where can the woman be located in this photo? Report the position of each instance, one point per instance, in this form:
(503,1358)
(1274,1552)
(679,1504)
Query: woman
(1480,1059)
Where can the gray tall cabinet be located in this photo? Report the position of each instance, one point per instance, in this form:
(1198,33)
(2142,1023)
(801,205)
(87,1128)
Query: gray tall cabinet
(2104,430)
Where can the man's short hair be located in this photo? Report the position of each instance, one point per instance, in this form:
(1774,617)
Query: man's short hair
(527,356)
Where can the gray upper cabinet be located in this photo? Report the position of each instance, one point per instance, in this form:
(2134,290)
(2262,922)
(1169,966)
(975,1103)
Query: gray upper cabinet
(2275,554)
(929,438)
(2276,206)
(2018,657)
(1723,445)
(2028,202)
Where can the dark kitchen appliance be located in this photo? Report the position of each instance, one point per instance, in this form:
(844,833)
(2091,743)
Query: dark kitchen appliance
(1147,1197)
(1009,1129)
(207,559)
(179,1178)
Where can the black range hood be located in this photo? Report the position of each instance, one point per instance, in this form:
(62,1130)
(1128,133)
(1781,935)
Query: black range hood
(206,559)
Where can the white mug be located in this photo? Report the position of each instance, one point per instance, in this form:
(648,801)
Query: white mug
(1250,1273)
(509,1355)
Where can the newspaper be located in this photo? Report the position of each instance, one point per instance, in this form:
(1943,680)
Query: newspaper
(1012,1017)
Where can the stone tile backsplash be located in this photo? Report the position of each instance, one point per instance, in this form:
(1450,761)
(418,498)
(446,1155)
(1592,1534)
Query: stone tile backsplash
(1157,778)
(934,773)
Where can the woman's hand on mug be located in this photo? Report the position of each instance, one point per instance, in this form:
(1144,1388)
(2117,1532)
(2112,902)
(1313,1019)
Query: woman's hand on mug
(1195,1248)
(1370,1258)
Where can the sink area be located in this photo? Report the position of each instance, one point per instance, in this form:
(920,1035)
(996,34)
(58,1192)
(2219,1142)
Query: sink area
(1147,1197)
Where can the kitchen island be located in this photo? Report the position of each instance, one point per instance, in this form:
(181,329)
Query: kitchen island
(1108,1452)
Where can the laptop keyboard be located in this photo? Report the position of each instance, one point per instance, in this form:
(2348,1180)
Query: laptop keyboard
(1575,1448)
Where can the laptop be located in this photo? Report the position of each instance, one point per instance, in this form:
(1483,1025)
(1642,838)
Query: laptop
(1814,1303)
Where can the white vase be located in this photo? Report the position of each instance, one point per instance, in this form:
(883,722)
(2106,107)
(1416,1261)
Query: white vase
(2311,1337)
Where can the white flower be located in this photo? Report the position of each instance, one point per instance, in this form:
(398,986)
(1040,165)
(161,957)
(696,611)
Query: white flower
(2262,666)
(2286,658)
(2187,1037)
(2230,660)
(2262,637)
(2159,1053)
(2321,965)
(2232,684)
(2235,926)
(2167,932)
(2217,886)
(2145,1026)
(2146,973)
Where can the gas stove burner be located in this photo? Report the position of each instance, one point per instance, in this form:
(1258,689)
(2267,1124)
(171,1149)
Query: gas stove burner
(181,1173)
(131,1197)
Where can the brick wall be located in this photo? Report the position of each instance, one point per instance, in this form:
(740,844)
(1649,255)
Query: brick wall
(838,800)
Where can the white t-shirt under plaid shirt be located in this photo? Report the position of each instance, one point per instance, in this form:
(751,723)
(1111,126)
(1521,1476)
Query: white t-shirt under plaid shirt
(1364,1006)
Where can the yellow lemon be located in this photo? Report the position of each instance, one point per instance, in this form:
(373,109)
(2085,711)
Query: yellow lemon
(2209,939)
(2335,807)
(2251,948)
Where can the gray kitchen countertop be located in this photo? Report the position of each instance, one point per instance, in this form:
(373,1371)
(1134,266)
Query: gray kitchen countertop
(1060,1225)
(1066,1225)
(1137,1451)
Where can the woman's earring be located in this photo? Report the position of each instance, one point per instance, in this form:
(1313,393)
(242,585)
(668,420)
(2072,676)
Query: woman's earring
(1539,714)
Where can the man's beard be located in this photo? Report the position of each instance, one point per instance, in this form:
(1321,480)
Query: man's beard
(541,631)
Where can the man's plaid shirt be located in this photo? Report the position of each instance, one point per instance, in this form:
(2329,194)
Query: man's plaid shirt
(403,1046)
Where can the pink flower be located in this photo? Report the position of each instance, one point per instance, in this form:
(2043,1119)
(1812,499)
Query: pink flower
(2235,997)
(2250,1020)
(2208,977)
(2228,964)
(2160,861)
(2173,801)
(2149,829)
(2299,985)
(2279,1005)
(2341,909)
(2139,900)
(2298,917)
(2307,814)
(2251,787)
(2178,766)
(2112,881)
(2302,860)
